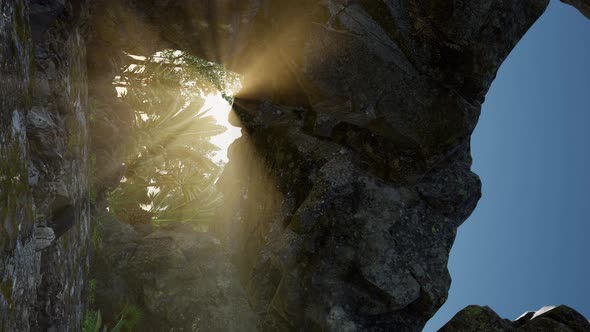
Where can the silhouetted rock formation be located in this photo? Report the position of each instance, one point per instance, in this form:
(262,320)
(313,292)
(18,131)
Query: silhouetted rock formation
(476,318)
(582,5)
(345,193)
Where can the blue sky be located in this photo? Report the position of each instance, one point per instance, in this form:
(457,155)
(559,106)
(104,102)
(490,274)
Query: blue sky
(527,243)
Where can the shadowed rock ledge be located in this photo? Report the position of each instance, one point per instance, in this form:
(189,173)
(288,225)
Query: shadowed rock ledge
(181,279)
(475,318)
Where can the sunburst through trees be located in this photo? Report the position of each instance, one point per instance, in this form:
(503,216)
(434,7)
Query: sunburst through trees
(170,175)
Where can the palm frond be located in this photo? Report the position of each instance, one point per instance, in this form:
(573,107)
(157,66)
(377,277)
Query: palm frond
(169,169)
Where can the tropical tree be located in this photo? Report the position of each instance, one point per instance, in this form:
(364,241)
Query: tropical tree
(169,172)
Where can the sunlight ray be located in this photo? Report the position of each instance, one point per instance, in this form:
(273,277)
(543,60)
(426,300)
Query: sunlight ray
(219,108)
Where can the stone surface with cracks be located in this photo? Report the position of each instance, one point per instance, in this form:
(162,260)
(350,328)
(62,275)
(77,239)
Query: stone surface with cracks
(181,279)
(44,194)
(366,154)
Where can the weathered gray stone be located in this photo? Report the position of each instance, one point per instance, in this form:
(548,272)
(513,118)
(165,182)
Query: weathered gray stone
(43,154)
(180,278)
(367,179)
(19,261)
(44,237)
(475,318)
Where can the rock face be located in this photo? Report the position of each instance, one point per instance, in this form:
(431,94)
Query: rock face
(44,191)
(476,318)
(181,278)
(345,193)
(19,261)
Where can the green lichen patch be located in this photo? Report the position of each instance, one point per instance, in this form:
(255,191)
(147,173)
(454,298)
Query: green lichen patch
(6,290)
(473,310)
(73,139)
(20,24)
(15,197)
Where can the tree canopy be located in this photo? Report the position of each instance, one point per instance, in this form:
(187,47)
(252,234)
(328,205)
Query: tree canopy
(169,172)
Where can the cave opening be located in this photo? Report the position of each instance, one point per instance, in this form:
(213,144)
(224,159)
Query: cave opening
(177,140)
(170,166)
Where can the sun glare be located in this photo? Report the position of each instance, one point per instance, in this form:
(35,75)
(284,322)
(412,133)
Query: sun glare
(219,108)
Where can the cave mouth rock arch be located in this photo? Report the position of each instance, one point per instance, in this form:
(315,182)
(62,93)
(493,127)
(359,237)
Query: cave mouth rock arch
(345,193)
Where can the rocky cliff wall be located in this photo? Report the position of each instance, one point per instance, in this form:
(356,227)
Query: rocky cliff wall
(45,170)
(19,261)
(345,193)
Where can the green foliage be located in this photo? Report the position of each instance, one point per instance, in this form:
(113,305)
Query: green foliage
(92,319)
(169,173)
(127,320)
(173,69)
(92,171)
(6,290)
(91,111)
(97,230)
(91,291)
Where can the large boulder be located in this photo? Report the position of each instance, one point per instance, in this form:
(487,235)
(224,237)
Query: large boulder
(475,318)
(179,278)
(547,319)
(345,192)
